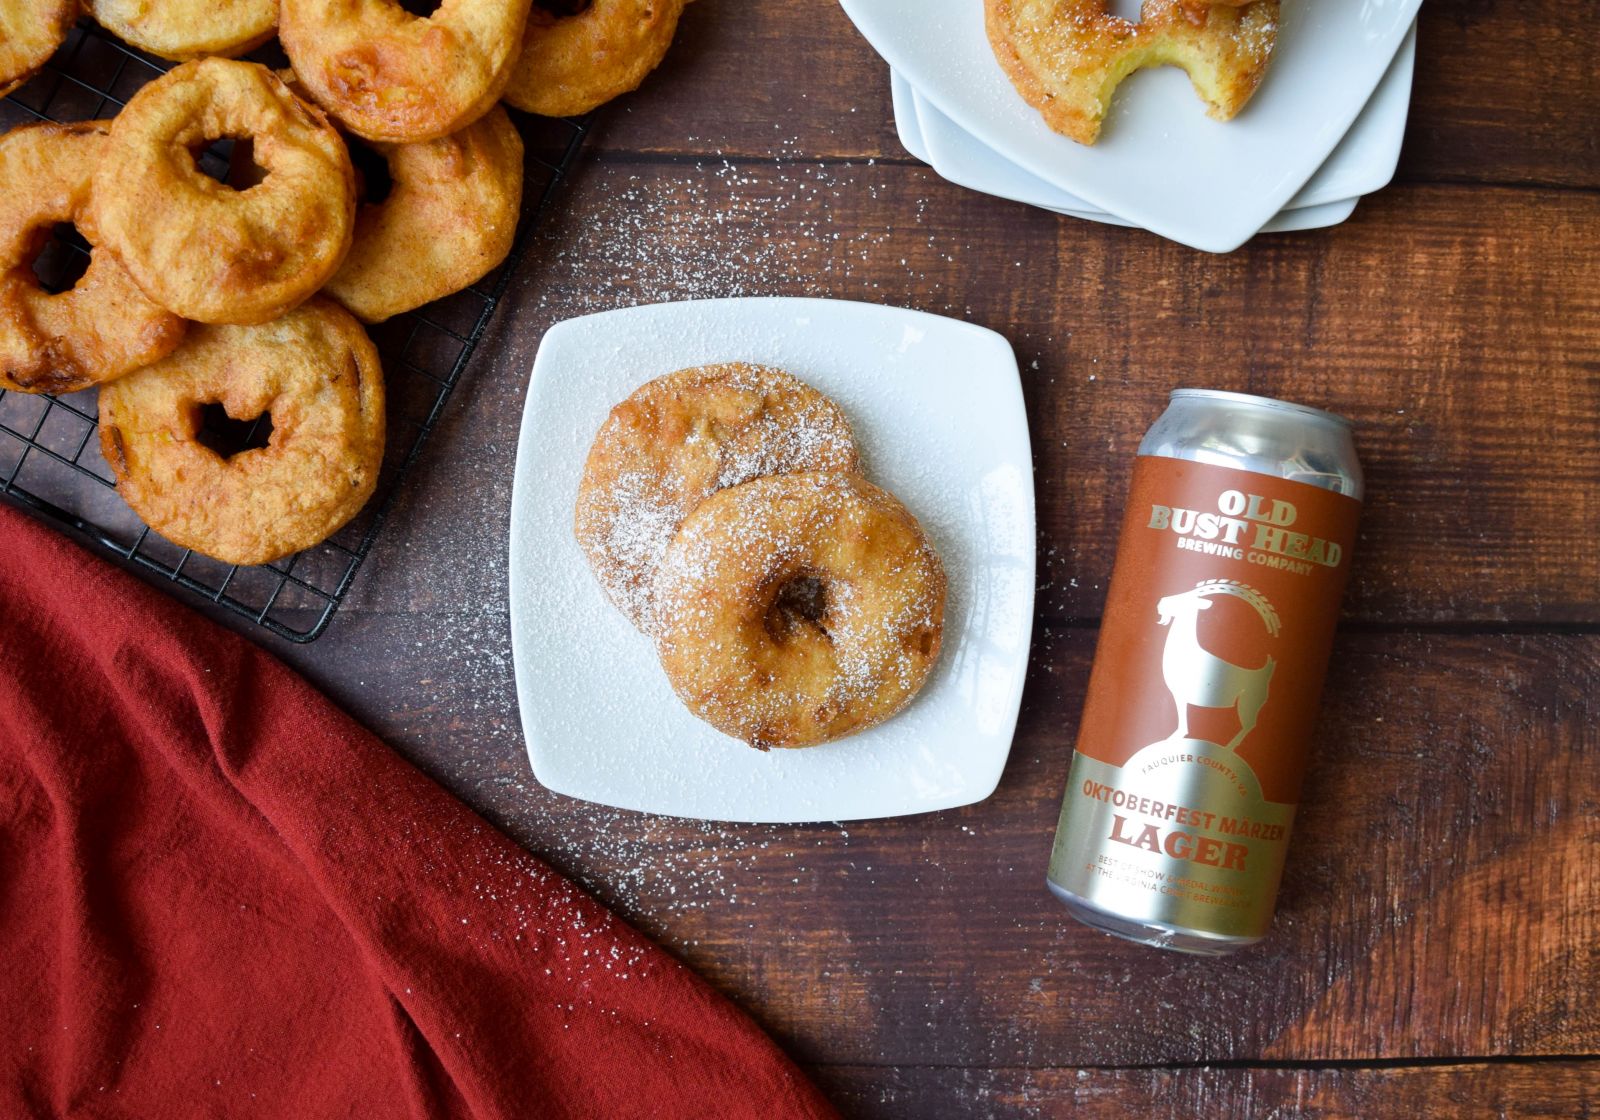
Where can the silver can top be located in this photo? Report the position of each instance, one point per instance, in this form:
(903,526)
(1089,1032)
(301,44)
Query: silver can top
(1259,434)
(1303,410)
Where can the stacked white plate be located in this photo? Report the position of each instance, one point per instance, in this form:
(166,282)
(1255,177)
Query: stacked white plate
(1323,130)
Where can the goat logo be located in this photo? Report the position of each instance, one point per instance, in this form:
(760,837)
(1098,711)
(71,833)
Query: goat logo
(1199,678)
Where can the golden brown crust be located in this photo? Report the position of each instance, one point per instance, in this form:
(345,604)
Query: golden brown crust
(679,439)
(1067,57)
(103,326)
(798,609)
(448,219)
(203,249)
(315,371)
(391,76)
(30,32)
(571,64)
(185,29)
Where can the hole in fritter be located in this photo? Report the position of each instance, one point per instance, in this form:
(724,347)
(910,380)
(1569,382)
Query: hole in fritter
(230,160)
(422,8)
(372,172)
(62,260)
(227,437)
(800,604)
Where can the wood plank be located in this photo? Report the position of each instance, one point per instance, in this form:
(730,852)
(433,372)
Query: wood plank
(797,79)
(1459,328)
(1439,902)
(1502,94)
(1506,1091)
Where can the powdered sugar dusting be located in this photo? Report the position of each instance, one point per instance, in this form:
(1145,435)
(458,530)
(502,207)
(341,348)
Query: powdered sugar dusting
(781,676)
(783,223)
(659,872)
(679,439)
(631,527)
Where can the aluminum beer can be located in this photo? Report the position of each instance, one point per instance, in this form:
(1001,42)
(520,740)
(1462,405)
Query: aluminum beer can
(1235,548)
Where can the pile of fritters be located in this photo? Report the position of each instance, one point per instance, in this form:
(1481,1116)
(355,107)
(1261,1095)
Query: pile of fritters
(723,511)
(199,291)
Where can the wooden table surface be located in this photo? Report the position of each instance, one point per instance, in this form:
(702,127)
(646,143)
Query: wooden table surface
(1437,950)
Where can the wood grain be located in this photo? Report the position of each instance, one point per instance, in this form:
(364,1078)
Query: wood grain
(1439,902)
(1503,92)
(1459,328)
(1468,1091)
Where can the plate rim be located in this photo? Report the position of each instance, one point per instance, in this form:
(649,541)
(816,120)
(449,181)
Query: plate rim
(902,128)
(1379,174)
(1301,219)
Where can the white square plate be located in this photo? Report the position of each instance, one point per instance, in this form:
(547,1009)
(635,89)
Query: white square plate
(1364,160)
(1159,151)
(937,409)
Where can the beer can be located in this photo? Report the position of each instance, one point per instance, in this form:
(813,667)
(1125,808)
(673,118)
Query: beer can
(1234,552)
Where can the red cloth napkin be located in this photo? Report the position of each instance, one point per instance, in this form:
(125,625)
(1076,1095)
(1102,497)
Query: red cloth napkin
(220,896)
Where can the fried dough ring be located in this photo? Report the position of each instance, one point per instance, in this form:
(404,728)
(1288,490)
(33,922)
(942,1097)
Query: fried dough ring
(203,249)
(30,32)
(679,439)
(315,371)
(388,75)
(571,64)
(448,219)
(1067,57)
(185,29)
(103,326)
(799,608)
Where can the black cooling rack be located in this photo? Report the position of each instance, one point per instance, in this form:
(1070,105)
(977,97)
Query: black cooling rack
(50,457)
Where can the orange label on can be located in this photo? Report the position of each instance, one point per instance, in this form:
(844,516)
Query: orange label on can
(1220,618)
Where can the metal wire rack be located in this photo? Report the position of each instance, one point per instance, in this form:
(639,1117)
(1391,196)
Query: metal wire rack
(50,459)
